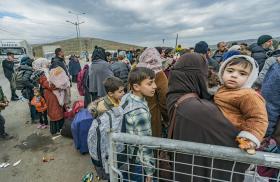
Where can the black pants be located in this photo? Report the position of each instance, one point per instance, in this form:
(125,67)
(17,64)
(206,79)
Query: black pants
(56,126)
(74,78)
(43,117)
(2,125)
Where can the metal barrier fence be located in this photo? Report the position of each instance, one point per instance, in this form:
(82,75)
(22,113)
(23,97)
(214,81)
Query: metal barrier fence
(187,161)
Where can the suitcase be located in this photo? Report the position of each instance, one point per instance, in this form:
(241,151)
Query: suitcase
(66,128)
(80,127)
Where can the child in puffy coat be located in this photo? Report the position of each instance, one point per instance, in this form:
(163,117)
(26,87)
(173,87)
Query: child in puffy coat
(41,107)
(240,104)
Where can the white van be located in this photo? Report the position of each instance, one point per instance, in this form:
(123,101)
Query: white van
(20,48)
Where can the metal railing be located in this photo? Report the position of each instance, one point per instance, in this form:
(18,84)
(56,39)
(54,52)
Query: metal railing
(188,161)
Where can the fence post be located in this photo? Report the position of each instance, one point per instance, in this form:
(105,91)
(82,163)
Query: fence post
(112,157)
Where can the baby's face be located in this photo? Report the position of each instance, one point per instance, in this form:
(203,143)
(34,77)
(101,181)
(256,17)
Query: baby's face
(235,76)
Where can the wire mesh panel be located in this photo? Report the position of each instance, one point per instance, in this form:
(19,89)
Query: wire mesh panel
(159,159)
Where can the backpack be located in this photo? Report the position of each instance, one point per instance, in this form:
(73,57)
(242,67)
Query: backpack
(19,79)
(98,135)
(80,80)
(112,120)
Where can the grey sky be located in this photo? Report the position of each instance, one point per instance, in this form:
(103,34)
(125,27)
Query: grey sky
(141,22)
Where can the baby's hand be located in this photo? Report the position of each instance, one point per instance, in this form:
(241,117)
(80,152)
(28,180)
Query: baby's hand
(247,145)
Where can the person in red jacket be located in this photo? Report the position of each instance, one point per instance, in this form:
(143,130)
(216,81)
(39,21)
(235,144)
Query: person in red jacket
(41,107)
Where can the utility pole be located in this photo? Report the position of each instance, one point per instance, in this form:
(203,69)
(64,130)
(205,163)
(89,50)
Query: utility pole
(163,41)
(176,41)
(77,24)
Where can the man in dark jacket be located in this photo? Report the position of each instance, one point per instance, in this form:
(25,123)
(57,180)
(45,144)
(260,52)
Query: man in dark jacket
(261,49)
(58,60)
(220,51)
(8,68)
(121,70)
(74,67)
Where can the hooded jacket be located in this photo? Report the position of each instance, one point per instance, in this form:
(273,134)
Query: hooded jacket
(259,54)
(26,78)
(244,107)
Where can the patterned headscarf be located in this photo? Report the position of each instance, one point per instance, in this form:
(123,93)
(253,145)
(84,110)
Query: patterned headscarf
(150,58)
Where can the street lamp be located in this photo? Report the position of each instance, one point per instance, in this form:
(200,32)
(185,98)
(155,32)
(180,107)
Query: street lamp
(77,26)
(77,16)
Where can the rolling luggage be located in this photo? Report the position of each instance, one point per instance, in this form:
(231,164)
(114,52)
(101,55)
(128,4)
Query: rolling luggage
(80,127)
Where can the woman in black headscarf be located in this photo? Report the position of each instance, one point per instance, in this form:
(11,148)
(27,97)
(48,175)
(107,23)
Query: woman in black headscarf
(197,119)
(99,70)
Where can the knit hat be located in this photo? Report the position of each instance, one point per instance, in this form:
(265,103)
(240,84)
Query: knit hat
(229,54)
(263,39)
(252,77)
(201,47)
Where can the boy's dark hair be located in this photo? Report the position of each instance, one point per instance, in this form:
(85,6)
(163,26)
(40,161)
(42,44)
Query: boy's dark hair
(240,61)
(138,74)
(10,53)
(112,84)
(57,51)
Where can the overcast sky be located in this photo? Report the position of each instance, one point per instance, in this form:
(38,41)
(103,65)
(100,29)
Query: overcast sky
(140,22)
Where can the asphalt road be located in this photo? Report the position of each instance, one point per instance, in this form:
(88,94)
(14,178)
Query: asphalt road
(30,145)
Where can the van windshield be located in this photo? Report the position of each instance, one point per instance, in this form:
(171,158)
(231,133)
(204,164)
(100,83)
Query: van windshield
(15,50)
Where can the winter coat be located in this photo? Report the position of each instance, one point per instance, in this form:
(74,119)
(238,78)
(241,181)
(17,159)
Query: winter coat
(57,61)
(218,56)
(27,75)
(39,103)
(121,71)
(99,70)
(74,67)
(55,111)
(157,105)
(259,54)
(271,93)
(8,68)
(99,106)
(268,62)
(245,109)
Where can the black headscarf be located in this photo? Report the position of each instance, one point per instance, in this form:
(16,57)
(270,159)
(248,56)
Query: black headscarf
(99,53)
(188,75)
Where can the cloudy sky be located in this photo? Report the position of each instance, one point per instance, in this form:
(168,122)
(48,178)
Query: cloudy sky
(140,22)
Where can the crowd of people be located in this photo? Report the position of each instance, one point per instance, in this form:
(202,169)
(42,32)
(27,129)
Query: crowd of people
(229,97)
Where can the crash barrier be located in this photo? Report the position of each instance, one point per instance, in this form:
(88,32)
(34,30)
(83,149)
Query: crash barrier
(175,160)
